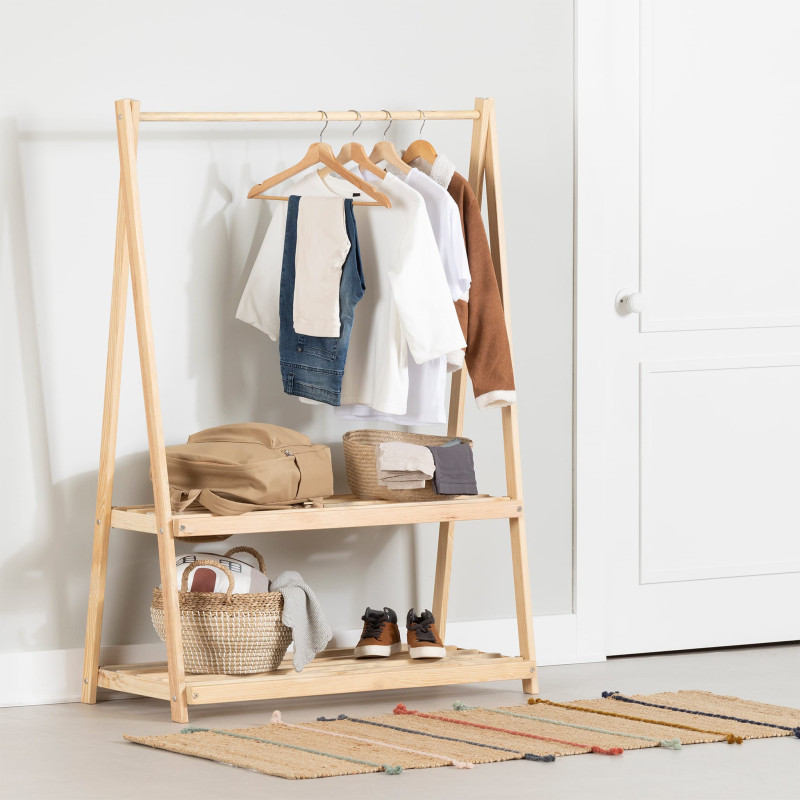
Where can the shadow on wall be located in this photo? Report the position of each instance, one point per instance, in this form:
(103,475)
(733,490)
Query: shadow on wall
(44,585)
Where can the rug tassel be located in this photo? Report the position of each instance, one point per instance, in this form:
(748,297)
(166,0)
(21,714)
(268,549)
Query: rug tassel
(463,764)
(459,706)
(612,751)
(331,719)
(390,770)
(734,739)
(532,757)
(609,694)
(276,717)
(671,744)
(401,708)
(532,701)
(796,732)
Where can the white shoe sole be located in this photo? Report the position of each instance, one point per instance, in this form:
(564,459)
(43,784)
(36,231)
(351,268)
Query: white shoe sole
(427,652)
(373,650)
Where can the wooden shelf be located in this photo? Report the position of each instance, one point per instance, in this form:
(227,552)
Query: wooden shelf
(331,672)
(339,511)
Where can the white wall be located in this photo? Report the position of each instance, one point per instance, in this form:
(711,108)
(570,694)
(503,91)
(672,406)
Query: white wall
(63,65)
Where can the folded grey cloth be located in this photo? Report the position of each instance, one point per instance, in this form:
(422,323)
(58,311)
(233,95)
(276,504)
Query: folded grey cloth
(402,465)
(303,614)
(455,469)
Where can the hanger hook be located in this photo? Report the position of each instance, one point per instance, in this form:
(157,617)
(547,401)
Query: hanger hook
(424,120)
(360,121)
(325,115)
(389,117)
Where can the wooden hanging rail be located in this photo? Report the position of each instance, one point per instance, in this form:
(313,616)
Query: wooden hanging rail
(302,116)
(333,671)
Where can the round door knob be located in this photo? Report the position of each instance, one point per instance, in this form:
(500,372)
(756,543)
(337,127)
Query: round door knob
(629,302)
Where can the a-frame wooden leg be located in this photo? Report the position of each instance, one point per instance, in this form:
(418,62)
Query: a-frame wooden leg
(108,445)
(152,405)
(519,546)
(458,388)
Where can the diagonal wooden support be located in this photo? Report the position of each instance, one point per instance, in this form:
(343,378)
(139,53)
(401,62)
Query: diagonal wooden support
(155,433)
(458,392)
(519,545)
(108,445)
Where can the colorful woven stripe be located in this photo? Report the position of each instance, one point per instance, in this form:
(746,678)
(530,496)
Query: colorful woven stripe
(624,699)
(670,744)
(387,768)
(525,756)
(613,751)
(277,719)
(730,738)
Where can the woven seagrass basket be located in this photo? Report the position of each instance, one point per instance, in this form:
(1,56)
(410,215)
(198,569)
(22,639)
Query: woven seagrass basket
(226,633)
(360,461)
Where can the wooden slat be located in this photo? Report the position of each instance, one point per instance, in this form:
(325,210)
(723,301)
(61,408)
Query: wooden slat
(133,683)
(509,414)
(152,408)
(342,511)
(322,676)
(346,517)
(299,116)
(108,445)
(458,393)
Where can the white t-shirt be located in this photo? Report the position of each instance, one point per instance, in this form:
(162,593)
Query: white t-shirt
(427,382)
(407,305)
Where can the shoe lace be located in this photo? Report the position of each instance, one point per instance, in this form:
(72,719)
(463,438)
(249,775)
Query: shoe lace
(373,627)
(423,629)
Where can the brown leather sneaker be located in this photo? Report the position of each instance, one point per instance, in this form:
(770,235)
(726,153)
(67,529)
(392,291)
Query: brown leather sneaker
(423,640)
(381,636)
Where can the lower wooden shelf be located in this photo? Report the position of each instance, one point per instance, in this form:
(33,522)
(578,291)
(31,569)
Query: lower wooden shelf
(332,672)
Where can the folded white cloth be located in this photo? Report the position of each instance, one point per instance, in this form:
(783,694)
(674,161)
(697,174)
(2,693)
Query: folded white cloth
(303,614)
(322,247)
(402,465)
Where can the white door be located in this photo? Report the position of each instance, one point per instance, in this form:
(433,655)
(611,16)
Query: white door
(688,123)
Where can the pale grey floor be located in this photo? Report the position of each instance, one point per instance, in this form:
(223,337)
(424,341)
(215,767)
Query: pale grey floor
(76,751)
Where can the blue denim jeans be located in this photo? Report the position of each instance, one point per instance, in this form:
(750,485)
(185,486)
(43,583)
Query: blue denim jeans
(313,366)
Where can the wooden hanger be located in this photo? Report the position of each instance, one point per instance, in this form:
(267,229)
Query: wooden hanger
(420,148)
(353,151)
(320,153)
(385,151)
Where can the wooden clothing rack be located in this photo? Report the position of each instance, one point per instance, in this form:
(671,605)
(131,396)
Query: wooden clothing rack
(334,671)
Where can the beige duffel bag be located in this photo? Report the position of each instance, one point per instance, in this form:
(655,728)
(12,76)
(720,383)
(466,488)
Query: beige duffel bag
(250,466)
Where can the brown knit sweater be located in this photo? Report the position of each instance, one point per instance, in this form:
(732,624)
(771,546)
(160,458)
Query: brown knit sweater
(488,353)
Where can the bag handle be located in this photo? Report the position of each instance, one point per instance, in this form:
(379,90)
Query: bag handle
(253,552)
(204,562)
(225,507)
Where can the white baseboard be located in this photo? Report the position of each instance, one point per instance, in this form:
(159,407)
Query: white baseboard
(54,676)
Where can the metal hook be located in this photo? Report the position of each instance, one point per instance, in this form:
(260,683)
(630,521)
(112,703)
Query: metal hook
(389,117)
(360,121)
(424,120)
(324,114)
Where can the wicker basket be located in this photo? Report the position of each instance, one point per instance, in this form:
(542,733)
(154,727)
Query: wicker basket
(227,634)
(360,459)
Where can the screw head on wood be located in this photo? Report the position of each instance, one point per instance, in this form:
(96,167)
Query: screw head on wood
(97,521)
(519,508)
(86,680)
(533,669)
(161,530)
(183,527)
(195,695)
(174,699)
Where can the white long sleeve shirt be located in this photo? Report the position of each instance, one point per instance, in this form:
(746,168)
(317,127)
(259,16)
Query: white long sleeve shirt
(407,306)
(427,382)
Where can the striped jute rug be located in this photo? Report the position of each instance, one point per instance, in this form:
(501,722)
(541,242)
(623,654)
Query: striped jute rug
(465,736)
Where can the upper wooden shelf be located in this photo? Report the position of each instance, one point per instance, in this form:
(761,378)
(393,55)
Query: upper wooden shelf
(339,511)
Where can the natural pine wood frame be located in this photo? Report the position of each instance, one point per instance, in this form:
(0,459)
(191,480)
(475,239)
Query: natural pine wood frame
(335,671)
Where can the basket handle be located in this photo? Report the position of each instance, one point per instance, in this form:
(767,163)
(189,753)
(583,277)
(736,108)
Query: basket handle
(253,552)
(204,562)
